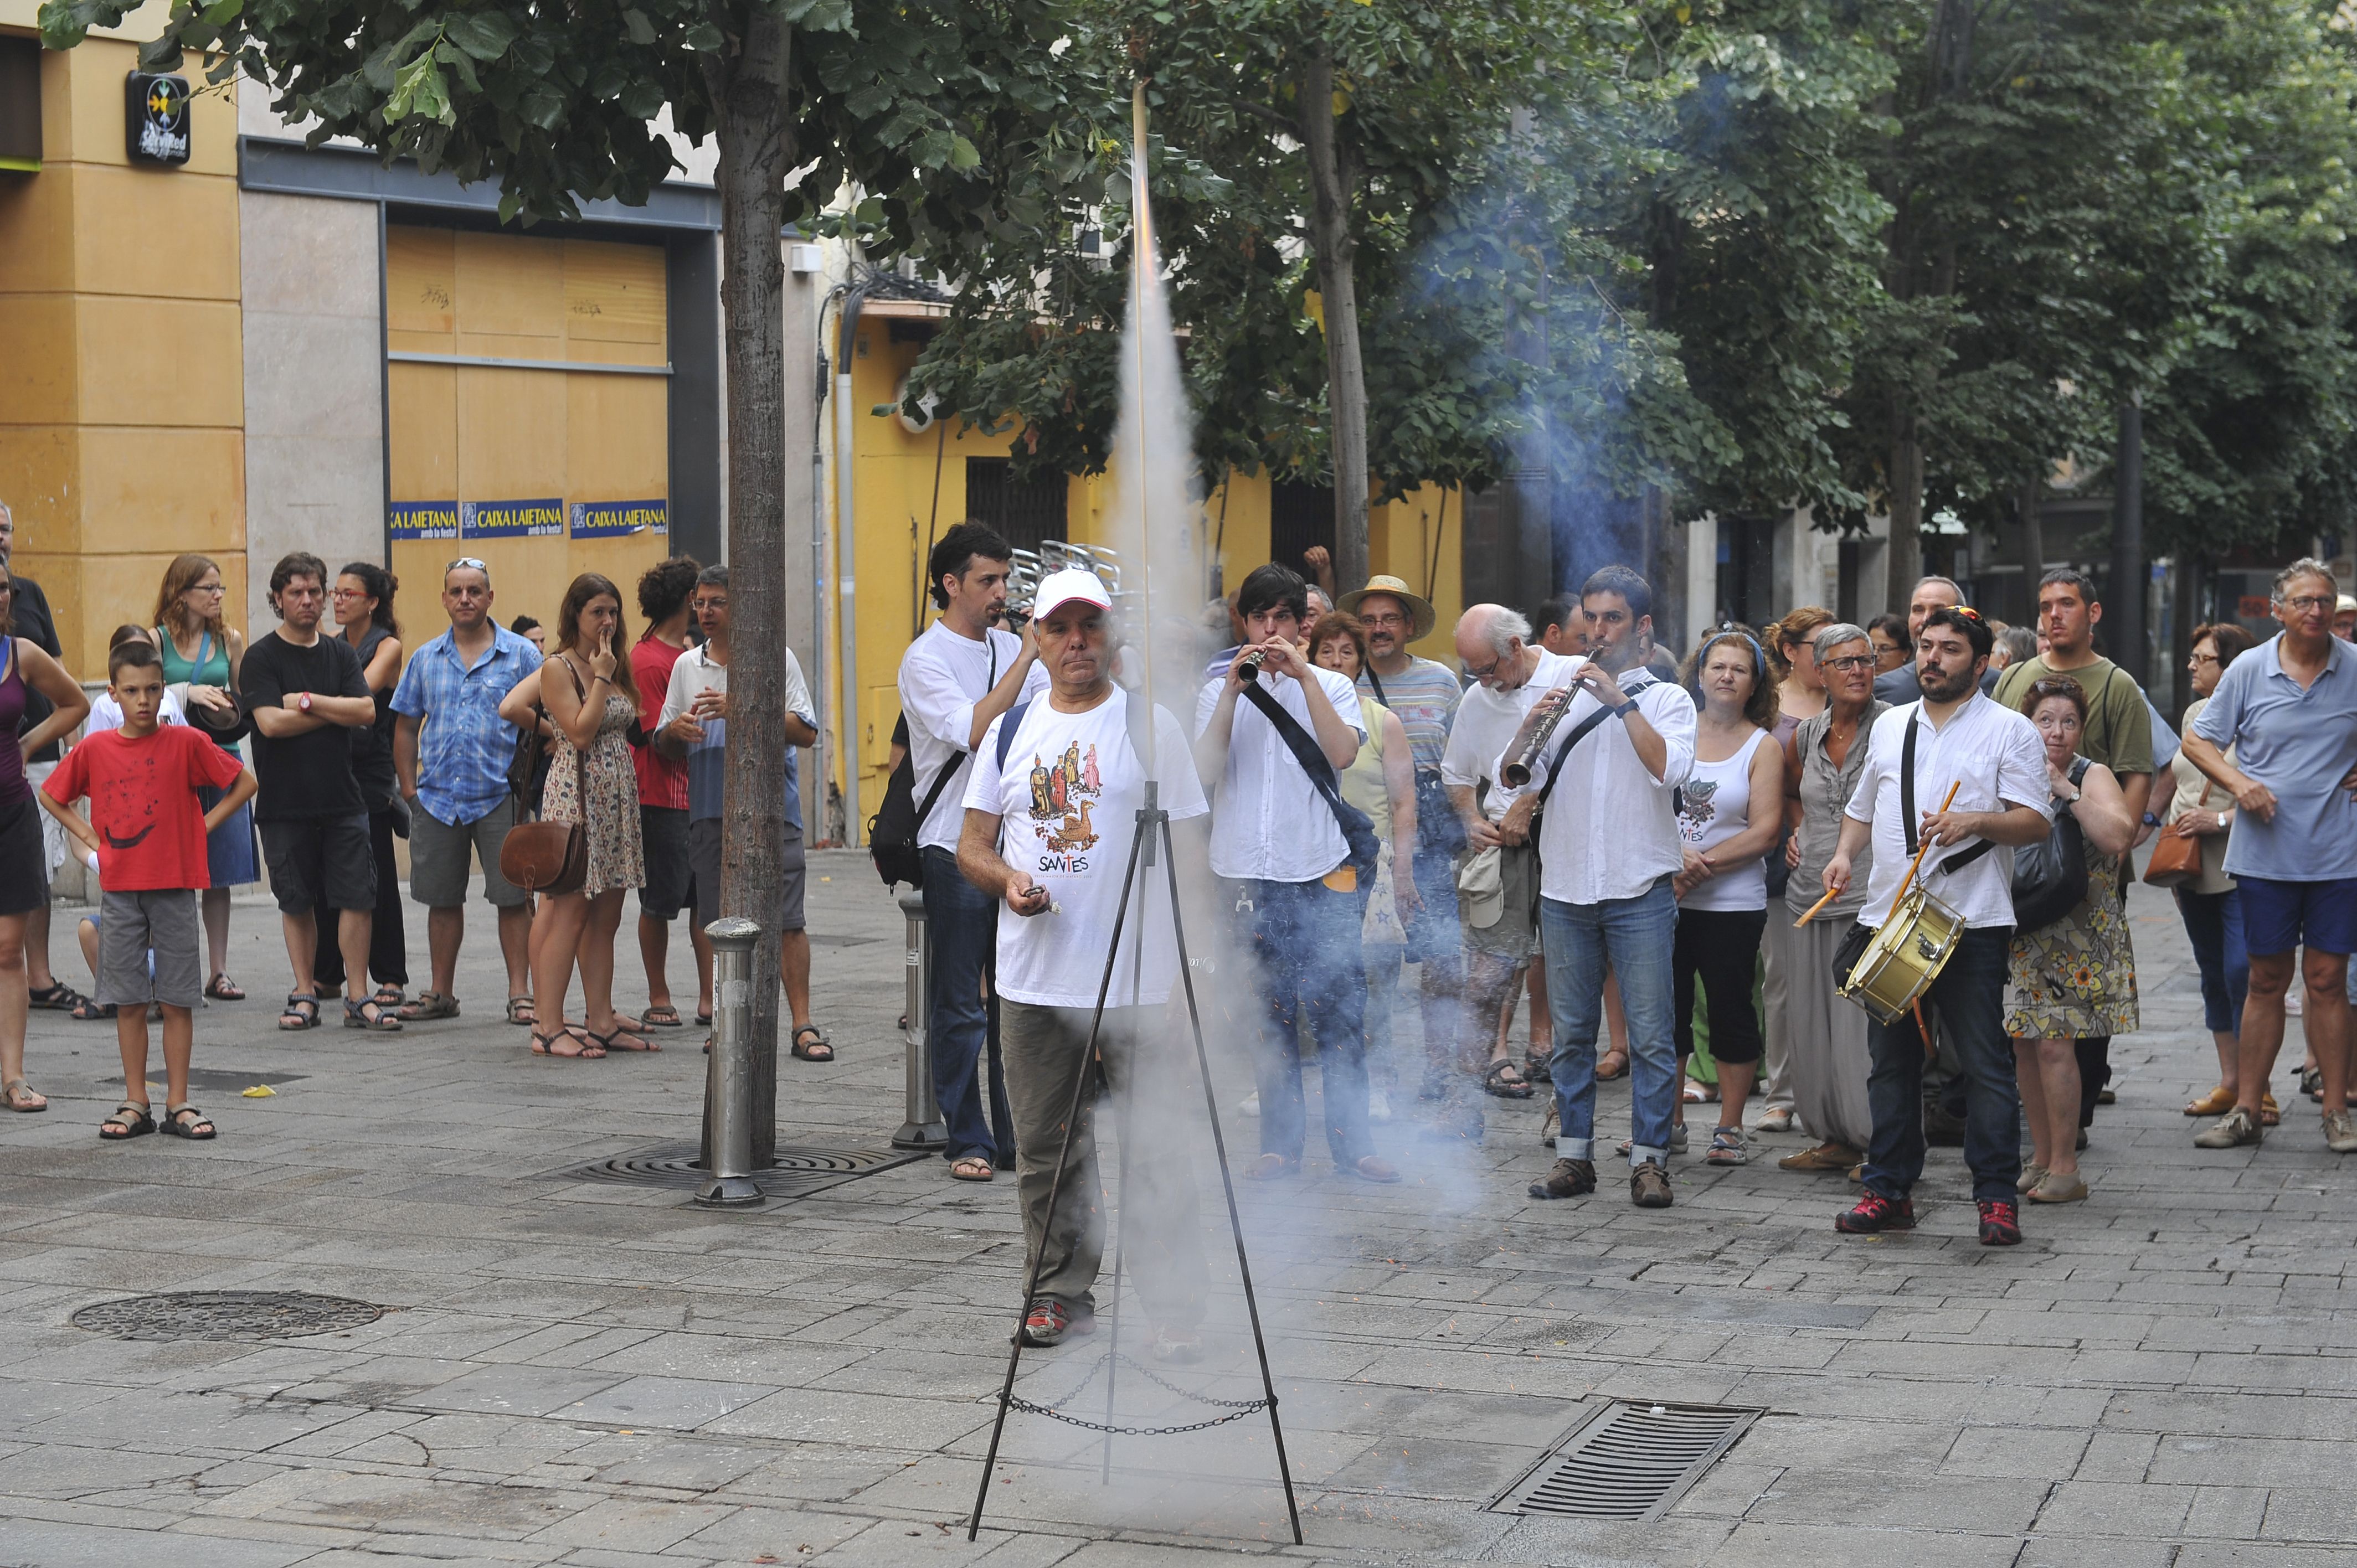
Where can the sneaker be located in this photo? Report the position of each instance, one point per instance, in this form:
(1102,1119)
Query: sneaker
(1378,1105)
(1178,1347)
(2340,1131)
(1050,1322)
(1568,1178)
(1649,1185)
(2000,1223)
(2231,1131)
(2030,1177)
(2052,1187)
(1775,1119)
(1251,1107)
(1725,1147)
(1875,1213)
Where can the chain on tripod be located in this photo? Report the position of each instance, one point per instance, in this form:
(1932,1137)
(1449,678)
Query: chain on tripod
(1237,1409)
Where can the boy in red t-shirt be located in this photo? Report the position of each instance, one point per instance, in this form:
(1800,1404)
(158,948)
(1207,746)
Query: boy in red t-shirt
(147,835)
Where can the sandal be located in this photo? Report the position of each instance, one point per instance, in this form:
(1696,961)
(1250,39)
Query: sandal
(810,1050)
(2311,1083)
(1269,1167)
(131,1120)
(57,997)
(520,1010)
(583,1050)
(357,1017)
(18,1095)
(429,1005)
(90,1012)
(1617,1061)
(390,996)
(973,1167)
(704,1018)
(198,1125)
(296,1002)
(222,988)
(2217,1102)
(661,1016)
(1725,1147)
(613,1042)
(1494,1081)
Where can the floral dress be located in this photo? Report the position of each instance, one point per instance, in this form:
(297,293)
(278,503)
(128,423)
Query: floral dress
(2076,979)
(616,858)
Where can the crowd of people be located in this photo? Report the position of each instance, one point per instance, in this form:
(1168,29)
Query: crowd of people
(1677,866)
(353,746)
(1681,864)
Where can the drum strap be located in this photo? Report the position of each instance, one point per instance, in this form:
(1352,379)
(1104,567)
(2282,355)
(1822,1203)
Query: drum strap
(1906,810)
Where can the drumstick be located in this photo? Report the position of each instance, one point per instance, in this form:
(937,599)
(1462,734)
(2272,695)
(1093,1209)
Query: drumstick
(1820,904)
(1919,853)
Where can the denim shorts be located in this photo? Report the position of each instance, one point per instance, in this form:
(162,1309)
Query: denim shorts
(2280,916)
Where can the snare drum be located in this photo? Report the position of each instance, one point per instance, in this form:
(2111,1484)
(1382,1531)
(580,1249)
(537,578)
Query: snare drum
(1905,956)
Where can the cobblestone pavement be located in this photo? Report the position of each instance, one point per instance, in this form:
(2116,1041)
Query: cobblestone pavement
(599,1374)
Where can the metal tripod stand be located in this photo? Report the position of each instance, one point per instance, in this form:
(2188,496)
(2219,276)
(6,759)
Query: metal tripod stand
(1153,832)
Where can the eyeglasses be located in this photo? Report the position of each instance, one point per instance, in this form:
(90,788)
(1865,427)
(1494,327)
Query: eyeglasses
(1383,620)
(207,588)
(2199,659)
(1851,662)
(348,592)
(1483,671)
(2309,604)
(467,561)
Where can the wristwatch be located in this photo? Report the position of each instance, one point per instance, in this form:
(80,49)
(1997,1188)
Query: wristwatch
(1625,709)
(303,701)
(2150,820)
(2222,821)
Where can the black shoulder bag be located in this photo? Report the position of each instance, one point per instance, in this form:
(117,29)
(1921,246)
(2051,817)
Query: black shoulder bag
(892,831)
(2049,877)
(1437,830)
(1357,830)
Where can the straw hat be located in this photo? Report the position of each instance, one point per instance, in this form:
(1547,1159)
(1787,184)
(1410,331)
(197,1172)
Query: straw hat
(1421,614)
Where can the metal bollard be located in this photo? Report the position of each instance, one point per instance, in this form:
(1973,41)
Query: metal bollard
(922,1129)
(728,1078)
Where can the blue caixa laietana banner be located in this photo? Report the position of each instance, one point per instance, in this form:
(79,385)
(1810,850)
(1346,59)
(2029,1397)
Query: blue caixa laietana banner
(512,519)
(425,520)
(618,520)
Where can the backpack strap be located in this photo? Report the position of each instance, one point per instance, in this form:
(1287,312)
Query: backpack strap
(1586,725)
(1907,805)
(1007,728)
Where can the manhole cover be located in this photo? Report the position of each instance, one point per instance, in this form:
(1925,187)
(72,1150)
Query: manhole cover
(798,1173)
(223,1080)
(1631,1460)
(225,1314)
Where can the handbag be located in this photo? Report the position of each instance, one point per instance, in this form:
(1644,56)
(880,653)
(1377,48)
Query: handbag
(551,857)
(2049,877)
(2175,861)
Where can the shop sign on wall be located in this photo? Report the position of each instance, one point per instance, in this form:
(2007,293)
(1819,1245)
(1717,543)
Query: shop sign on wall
(156,118)
(619,520)
(512,519)
(425,520)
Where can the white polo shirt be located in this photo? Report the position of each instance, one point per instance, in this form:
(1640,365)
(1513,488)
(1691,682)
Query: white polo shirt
(1610,829)
(1995,757)
(1269,824)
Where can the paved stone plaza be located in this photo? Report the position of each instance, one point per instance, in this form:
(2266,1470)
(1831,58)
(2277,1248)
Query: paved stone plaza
(599,1374)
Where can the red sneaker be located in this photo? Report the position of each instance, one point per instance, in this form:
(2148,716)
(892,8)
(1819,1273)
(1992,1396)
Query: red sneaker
(2000,1223)
(1050,1322)
(1875,1212)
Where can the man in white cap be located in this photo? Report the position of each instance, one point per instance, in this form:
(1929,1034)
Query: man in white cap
(1423,693)
(1051,815)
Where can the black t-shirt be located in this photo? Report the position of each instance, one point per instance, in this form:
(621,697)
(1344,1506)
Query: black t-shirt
(372,747)
(308,777)
(29,617)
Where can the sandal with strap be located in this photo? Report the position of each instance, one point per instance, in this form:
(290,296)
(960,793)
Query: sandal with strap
(296,1002)
(1618,1060)
(390,995)
(520,1010)
(187,1121)
(55,997)
(222,988)
(661,1016)
(814,1049)
(1726,1147)
(429,1005)
(545,1046)
(973,1167)
(131,1120)
(18,1095)
(613,1042)
(1494,1081)
(358,1016)
(90,1012)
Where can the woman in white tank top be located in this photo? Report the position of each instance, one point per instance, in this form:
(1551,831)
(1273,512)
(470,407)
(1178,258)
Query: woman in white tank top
(1731,813)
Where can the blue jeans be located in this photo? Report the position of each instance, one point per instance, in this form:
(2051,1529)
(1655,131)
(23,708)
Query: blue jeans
(1969,996)
(1636,935)
(961,922)
(2214,923)
(1306,962)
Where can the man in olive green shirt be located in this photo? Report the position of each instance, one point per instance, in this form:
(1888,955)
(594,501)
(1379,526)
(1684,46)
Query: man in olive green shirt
(2117,733)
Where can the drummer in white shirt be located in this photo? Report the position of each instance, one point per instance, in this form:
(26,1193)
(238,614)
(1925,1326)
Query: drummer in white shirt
(1995,760)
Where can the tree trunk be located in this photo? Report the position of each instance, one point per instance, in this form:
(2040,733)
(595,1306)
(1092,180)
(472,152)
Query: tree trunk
(1906,502)
(1332,173)
(2030,503)
(756,150)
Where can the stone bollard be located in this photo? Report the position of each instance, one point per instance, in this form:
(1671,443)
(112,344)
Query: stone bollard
(921,1128)
(728,1077)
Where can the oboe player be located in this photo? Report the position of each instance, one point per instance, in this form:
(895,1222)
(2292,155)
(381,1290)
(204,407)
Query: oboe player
(1608,847)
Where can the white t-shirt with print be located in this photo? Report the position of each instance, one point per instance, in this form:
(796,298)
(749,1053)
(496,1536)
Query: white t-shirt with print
(1067,806)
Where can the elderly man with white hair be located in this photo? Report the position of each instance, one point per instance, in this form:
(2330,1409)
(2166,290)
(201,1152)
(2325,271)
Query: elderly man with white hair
(1498,887)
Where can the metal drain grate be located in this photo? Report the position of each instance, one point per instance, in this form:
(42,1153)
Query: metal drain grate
(1631,1460)
(237,1314)
(799,1172)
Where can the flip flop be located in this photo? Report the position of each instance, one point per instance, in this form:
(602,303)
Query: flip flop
(17,1095)
(964,1169)
(661,1016)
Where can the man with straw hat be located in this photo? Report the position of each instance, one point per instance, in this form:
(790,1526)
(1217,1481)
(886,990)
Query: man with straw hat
(1424,694)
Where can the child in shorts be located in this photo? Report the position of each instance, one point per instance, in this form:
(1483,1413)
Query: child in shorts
(147,830)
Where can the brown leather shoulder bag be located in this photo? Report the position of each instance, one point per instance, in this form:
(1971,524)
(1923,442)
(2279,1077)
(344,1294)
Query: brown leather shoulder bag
(552,857)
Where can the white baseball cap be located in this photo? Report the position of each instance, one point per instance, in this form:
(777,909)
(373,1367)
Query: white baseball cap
(1065,587)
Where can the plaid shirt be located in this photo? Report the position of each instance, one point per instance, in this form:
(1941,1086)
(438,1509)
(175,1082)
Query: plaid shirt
(464,747)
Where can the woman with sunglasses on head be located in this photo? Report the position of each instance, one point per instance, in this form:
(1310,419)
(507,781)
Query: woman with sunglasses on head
(201,661)
(25,668)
